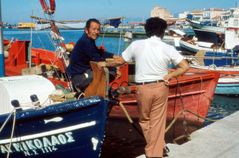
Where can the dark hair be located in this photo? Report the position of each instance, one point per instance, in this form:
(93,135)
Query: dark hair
(88,22)
(155,26)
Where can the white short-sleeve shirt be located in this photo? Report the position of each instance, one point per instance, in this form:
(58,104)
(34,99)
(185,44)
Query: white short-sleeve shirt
(152,57)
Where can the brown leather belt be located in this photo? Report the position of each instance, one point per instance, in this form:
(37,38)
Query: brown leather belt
(143,83)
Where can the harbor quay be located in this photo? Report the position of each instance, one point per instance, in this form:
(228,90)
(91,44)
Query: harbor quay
(217,140)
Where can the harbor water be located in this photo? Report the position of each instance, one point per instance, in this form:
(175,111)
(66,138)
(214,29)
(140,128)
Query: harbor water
(121,141)
(42,39)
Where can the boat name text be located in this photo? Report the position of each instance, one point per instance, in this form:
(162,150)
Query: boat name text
(38,146)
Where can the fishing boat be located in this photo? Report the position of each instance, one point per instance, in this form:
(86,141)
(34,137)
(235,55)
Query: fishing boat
(54,130)
(20,59)
(33,129)
(207,31)
(226,64)
(228,83)
(36,121)
(69,128)
(65,25)
(192,46)
(189,98)
(225,42)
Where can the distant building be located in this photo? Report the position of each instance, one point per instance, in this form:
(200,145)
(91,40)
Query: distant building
(161,13)
(197,14)
(25,25)
(183,15)
(209,14)
(213,13)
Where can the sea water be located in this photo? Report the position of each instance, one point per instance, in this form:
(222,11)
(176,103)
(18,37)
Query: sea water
(42,39)
(221,106)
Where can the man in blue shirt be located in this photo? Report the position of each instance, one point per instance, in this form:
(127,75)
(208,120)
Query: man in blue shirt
(85,50)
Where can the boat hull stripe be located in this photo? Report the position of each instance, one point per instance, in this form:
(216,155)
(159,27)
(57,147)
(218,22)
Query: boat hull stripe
(52,132)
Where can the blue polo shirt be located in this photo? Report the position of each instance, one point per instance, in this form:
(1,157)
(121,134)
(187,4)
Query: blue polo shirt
(85,51)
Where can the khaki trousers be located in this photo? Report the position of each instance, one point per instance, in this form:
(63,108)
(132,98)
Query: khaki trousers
(152,102)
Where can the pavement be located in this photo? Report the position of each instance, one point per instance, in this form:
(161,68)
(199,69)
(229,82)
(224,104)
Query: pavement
(217,140)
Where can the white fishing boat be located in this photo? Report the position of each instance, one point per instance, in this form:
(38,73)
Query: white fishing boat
(61,25)
(228,83)
(226,42)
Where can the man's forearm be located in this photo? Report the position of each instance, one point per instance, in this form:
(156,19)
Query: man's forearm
(112,62)
(179,71)
(115,61)
(182,68)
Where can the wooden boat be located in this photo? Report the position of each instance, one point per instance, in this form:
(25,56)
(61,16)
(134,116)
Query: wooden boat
(228,82)
(60,130)
(193,47)
(228,85)
(189,98)
(224,63)
(19,59)
(224,39)
(207,31)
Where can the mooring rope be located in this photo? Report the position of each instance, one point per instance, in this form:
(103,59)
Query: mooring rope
(7,119)
(12,132)
(186,135)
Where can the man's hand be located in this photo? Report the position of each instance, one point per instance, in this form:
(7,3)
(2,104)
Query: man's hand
(167,78)
(101,64)
(182,68)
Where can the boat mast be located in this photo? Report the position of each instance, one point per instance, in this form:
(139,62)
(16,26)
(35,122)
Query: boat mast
(1,45)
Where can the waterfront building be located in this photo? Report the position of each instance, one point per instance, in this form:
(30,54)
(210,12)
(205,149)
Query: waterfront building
(161,13)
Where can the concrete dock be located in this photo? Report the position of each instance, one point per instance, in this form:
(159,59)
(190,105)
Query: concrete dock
(217,140)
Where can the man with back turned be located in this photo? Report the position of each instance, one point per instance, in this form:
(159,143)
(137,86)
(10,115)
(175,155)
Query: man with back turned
(152,57)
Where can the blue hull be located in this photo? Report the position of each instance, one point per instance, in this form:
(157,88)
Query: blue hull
(208,32)
(207,36)
(227,89)
(221,59)
(73,129)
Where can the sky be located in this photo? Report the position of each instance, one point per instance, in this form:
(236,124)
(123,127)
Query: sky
(14,11)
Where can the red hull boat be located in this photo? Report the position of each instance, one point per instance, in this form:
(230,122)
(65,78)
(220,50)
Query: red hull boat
(17,61)
(189,94)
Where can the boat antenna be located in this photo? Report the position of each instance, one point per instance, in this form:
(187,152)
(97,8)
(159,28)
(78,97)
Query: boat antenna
(119,42)
(120,38)
(30,47)
(2,72)
(103,36)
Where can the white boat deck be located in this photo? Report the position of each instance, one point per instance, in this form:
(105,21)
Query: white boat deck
(218,140)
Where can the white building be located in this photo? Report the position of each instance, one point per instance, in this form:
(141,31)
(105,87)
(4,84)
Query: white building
(213,13)
(161,13)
